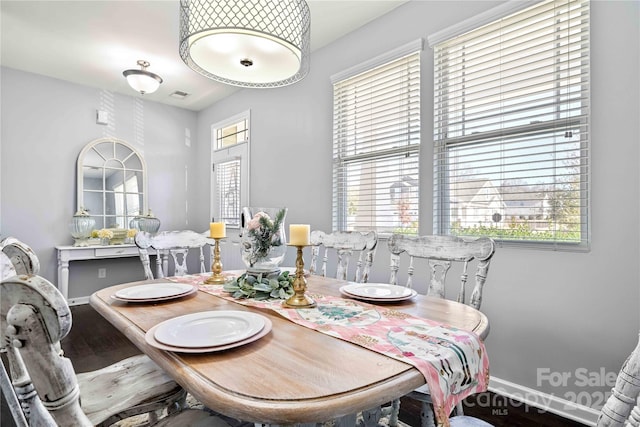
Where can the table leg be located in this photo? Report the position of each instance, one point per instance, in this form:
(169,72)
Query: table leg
(63,276)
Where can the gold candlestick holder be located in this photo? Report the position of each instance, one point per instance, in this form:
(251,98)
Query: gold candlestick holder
(216,277)
(299,299)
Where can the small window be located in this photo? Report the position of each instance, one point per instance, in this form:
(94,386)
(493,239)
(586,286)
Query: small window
(232,134)
(376,144)
(230,171)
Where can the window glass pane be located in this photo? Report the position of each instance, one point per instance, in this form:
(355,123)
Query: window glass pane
(530,188)
(381,194)
(232,134)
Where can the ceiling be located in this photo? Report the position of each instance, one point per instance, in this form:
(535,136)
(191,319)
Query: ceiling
(92,42)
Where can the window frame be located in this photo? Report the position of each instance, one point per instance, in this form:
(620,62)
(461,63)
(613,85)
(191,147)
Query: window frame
(340,188)
(238,151)
(442,218)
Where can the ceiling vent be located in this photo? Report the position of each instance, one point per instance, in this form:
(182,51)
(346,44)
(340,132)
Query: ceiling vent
(179,94)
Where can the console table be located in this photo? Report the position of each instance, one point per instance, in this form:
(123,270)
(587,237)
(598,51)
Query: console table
(76,253)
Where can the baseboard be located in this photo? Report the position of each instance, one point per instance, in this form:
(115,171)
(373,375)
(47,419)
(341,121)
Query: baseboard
(78,301)
(543,401)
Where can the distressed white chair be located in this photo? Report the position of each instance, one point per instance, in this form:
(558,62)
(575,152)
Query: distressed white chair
(347,245)
(149,389)
(441,252)
(623,406)
(17,258)
(177,244)
(36,317)
(23,259)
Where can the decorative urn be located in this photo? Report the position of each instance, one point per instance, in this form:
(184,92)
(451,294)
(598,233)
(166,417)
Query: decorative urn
(81,226)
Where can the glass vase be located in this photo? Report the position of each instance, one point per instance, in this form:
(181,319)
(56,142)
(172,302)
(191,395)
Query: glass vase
(148,223)
(263,239)
(80,227)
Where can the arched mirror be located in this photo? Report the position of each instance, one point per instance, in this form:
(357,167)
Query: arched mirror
(112,182)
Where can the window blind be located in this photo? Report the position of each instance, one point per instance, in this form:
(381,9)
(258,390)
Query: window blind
(511,128)
(227,181)
(375,147)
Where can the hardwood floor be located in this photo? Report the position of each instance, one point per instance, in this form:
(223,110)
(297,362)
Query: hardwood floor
(93,343)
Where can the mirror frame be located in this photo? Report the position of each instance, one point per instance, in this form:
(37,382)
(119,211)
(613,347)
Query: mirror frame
(80,174)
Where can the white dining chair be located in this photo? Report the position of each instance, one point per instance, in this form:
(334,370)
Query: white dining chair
(175,244)
(348,245)
(36,317)
(17,258)
(440,253)
(22,258)
(148,388)
(623,405)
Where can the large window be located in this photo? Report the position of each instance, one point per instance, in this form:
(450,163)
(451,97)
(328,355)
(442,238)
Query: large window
(230,169)
(376,144)
(512,128)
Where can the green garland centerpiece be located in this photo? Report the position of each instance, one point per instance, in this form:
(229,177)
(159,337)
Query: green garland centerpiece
(262,286)
(264,234)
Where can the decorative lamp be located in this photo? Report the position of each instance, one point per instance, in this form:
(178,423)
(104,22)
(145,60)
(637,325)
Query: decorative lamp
(246,43)
(142,80)
(149,223)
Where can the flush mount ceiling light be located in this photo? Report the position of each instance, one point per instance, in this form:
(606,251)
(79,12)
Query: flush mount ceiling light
(142,80)
(246,43)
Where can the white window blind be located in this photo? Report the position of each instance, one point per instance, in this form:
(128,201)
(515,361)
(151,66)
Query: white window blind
(376,142)
(512,128)
(227,178)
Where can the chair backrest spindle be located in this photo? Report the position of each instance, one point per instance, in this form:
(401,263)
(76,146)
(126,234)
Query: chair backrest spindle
(171,244)
(441,252)
(345,244)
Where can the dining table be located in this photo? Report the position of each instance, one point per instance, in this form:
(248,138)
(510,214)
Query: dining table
(293,374)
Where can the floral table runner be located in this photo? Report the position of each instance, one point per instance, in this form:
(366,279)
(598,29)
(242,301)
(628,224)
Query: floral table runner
(454,362)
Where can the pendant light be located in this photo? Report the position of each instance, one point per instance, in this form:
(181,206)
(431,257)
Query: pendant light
(246,43)
(142,80)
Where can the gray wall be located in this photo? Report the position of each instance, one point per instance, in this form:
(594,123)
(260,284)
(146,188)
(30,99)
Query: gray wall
(548,310)
(45,124)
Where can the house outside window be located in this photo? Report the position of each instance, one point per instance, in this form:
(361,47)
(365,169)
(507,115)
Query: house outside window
(511,128)
(230,169)
(376,144)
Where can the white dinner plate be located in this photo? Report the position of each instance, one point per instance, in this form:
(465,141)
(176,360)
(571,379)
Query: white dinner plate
(151,340)
(154,291)
(209,328)
(377,290)
(411,294)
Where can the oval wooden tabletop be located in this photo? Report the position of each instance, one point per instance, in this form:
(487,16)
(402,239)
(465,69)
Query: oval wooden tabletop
(291,375)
